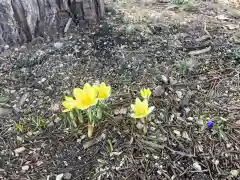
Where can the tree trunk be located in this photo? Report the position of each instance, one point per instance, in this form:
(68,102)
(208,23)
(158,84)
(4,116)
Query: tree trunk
(23,20)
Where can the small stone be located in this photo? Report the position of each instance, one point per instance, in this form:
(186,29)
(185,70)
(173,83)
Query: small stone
(55,107)
(59,177)
(12,91)
(20,139)
(42,80)
(215,161)
(197,166)
(185,135)
(178,133)
(155,157)
(67,175)
(58,45)
(29,133)
(164,79)
(139,125)
(158,91)
(19,150)
(159,172)
(187,110)
(172,81)
(190,118)
(25,168)
(238,122)
(6,46)
(234,172)
(179,94)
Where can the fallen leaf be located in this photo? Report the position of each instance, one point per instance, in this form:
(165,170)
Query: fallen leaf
(94,141)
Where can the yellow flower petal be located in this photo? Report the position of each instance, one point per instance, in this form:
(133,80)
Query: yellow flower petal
(140,109)
(85,97)
(133,107)
(145,93)
(77,93)
(104,91)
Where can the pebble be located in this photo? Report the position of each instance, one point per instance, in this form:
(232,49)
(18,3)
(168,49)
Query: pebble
(59,177)
(67,175)
(164,79)
(58,45)
(234,173)
(25,168)
(19,150)
(179,94)
(197,166)
(139,125)
(158,91)
(55,107)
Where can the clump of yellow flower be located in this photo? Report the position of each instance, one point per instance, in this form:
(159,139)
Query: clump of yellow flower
(85,98)
(145,93)
(141,109)
(104,91)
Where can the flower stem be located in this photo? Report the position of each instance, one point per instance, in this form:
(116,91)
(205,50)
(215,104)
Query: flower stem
(145,126)
(90,130)
(90,123)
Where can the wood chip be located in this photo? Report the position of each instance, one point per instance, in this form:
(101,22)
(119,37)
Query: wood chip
(202,51)
(94,141)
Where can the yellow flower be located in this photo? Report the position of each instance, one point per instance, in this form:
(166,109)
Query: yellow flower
(140,109)
(145,93)
(85,97)
(104,91)
(69,104)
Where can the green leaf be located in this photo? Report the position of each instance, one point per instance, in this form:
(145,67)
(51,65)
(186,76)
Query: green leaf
(19,128)
(99,113)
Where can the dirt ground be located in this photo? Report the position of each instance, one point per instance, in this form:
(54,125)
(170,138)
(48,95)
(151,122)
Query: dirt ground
(187,53)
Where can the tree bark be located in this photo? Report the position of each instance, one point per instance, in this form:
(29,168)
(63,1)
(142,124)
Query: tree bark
(23,20)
